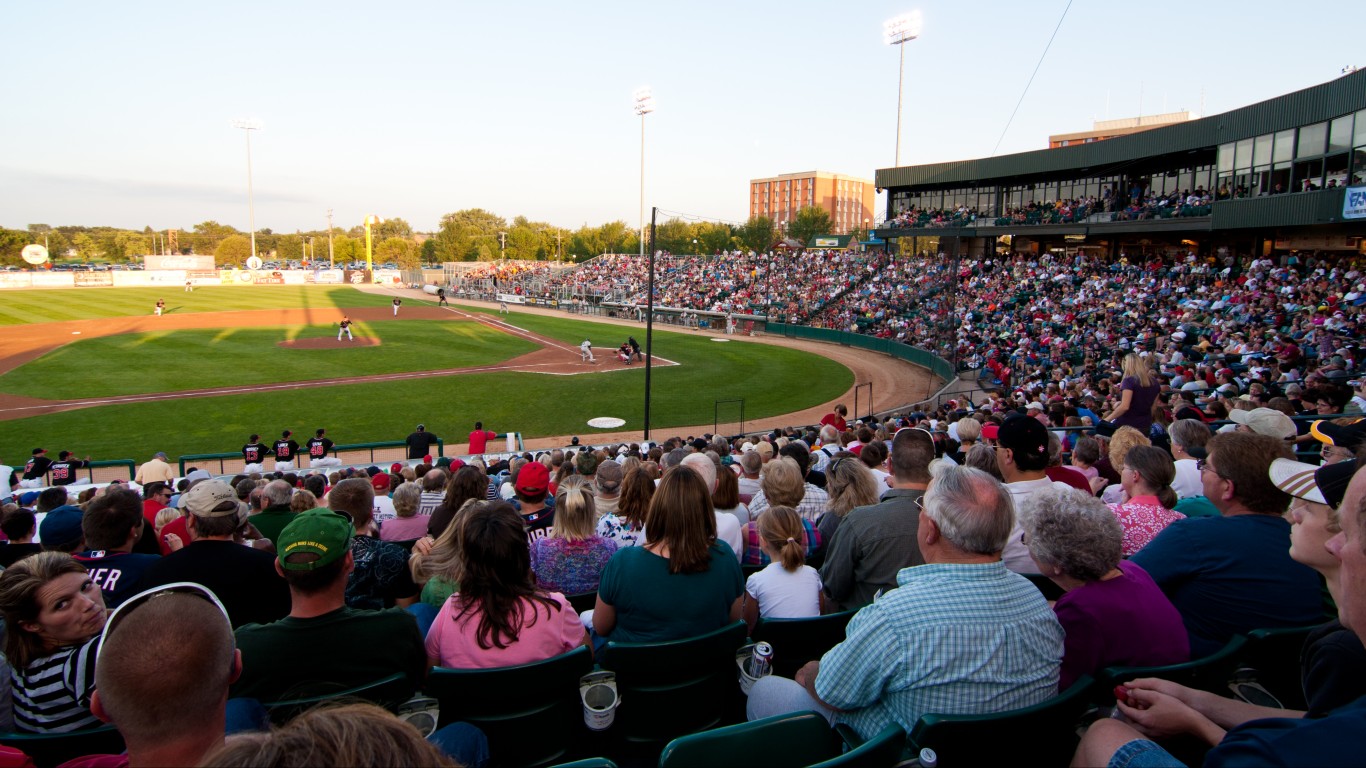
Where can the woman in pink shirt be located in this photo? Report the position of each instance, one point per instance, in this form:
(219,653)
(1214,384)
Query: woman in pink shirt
(499,618)
(1148,496)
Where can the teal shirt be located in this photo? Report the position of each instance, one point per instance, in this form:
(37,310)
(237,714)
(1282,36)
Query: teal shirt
(1197,506)
(654,605)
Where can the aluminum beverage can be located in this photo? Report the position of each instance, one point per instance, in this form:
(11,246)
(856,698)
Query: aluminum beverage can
(761,663)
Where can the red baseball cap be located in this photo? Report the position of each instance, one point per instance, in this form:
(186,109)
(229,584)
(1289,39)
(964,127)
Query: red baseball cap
(990,431)
(533,478)
(396,468)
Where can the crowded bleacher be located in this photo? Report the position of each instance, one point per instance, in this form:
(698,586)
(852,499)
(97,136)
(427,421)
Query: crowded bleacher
(1152,486)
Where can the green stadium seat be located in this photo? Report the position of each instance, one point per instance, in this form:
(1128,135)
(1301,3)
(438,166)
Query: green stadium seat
(674,688)
(530,713)
(1046,733)
(783,741)
(52,749)
(1211,673)
(583,601)
(797,641)
(1271,659)
(388,692)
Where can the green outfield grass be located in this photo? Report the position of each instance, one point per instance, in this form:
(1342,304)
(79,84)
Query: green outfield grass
(772,380)
(50,305)
(168,361)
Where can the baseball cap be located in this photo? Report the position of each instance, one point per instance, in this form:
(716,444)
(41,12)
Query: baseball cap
(372,470)
(39,451)
(586,462)
(765,449)
(209,499)
(28,497)
(380,482)
(1324,484)
(990,431)
(1343,436)
(1034,406)
(1025,436)
(609,476)
(320,532)
(61,527)
(64,455)
(1265,421)
(396,468)
(198,474)
(533,478)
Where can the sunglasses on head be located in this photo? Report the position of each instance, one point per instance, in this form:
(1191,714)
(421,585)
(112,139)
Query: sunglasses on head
(142,598)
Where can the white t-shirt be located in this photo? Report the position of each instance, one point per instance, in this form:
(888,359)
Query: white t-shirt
(384,509)
(784,594)
(1187,482)
(728,530)
(1016,554)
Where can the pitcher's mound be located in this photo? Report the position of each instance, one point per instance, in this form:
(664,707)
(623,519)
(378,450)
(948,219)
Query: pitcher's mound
(327,342)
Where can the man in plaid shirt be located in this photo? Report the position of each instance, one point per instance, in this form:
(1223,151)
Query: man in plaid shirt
(959,635)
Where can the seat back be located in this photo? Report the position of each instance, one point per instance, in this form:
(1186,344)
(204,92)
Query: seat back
(1046,732)
(1045,586)
(388,692)
(1271,658)
(677,687)
(530,713)
(782,741)
(1211,673)
(52,749)
(797,641)
(881,751)
(583,601)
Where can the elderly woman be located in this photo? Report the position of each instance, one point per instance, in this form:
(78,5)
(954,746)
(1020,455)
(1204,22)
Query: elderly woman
(1148,496)
(407,524)
(571,558)
(1188,438)
(53,615)
(1113,612)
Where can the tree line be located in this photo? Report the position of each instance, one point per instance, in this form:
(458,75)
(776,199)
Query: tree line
(472,234)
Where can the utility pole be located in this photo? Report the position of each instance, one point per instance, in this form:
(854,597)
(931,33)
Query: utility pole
(331,258)
(559,255)
(503,245)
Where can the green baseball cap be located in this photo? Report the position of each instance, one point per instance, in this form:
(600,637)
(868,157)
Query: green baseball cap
(320,532)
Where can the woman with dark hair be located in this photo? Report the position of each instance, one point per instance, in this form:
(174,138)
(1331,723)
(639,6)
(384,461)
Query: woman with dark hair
(626,526)
(726,497)
(468,482)
(499,617)
(53,615)
(1148,496)
(681,582)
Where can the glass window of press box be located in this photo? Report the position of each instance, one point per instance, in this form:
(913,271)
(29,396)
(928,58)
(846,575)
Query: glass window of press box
(1318,156)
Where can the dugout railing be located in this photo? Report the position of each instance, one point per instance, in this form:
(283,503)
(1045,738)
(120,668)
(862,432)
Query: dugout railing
(353,453)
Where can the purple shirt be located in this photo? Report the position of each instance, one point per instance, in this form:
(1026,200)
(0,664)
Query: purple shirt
(1125,621)
(1140,413)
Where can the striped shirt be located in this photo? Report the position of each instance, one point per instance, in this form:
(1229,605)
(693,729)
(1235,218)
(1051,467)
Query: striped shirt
(52,694)
(812,506)
(951,639)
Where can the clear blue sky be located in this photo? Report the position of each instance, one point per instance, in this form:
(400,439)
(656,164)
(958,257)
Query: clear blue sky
(120,113)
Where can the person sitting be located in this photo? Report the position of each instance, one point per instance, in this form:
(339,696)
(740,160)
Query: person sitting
(627,526)
(500,617)
(850,484)
(1232,574)
(466,483)
(1188,437)
(1146,478)
(323,645)
(1112,612)
(380,576)
(571,559)
(54,614)
(406,525)
(894,664)
(112,524)
(276,497)
(787,588)
(1243,734)
(783,486)
(18,525)
(681,582)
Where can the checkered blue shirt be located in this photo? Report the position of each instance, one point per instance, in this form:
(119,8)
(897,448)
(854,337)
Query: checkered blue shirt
(951,639)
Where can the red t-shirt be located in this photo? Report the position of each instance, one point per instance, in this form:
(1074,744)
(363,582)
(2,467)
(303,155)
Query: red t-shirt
(176,526)
(835,420)
(479,440)
(150,508)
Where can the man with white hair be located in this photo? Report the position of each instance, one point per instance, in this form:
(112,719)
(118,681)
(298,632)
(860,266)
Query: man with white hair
(894,666)
(727,527)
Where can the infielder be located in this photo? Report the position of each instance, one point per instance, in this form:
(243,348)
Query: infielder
(586,351)
(397,302)
(161,305)
(346,327)
(441,297)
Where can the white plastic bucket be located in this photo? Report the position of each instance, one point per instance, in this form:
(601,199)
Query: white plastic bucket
(598,691)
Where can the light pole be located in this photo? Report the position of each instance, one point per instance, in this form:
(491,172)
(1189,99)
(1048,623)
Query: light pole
(645,104)
(899,31)
(247,127)
(370,221)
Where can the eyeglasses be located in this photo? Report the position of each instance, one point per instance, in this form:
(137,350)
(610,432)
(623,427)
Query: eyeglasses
(1202,465)
(146,596)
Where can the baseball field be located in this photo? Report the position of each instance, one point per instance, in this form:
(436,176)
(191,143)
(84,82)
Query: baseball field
(93,371)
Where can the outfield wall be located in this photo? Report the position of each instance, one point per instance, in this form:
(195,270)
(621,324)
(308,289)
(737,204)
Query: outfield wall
(176,278)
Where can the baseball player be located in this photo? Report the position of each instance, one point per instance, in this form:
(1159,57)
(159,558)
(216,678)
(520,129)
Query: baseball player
(441,297)
(189,286)
(502,307)
(586,351)
(35,469)
(161,306)
(318,448)
(253,453)
(397,303)
(346,328)
(64,468)
(284,450)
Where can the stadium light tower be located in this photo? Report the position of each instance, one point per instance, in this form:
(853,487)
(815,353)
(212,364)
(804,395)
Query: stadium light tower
(247,127)
(645,104)
(899,31)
